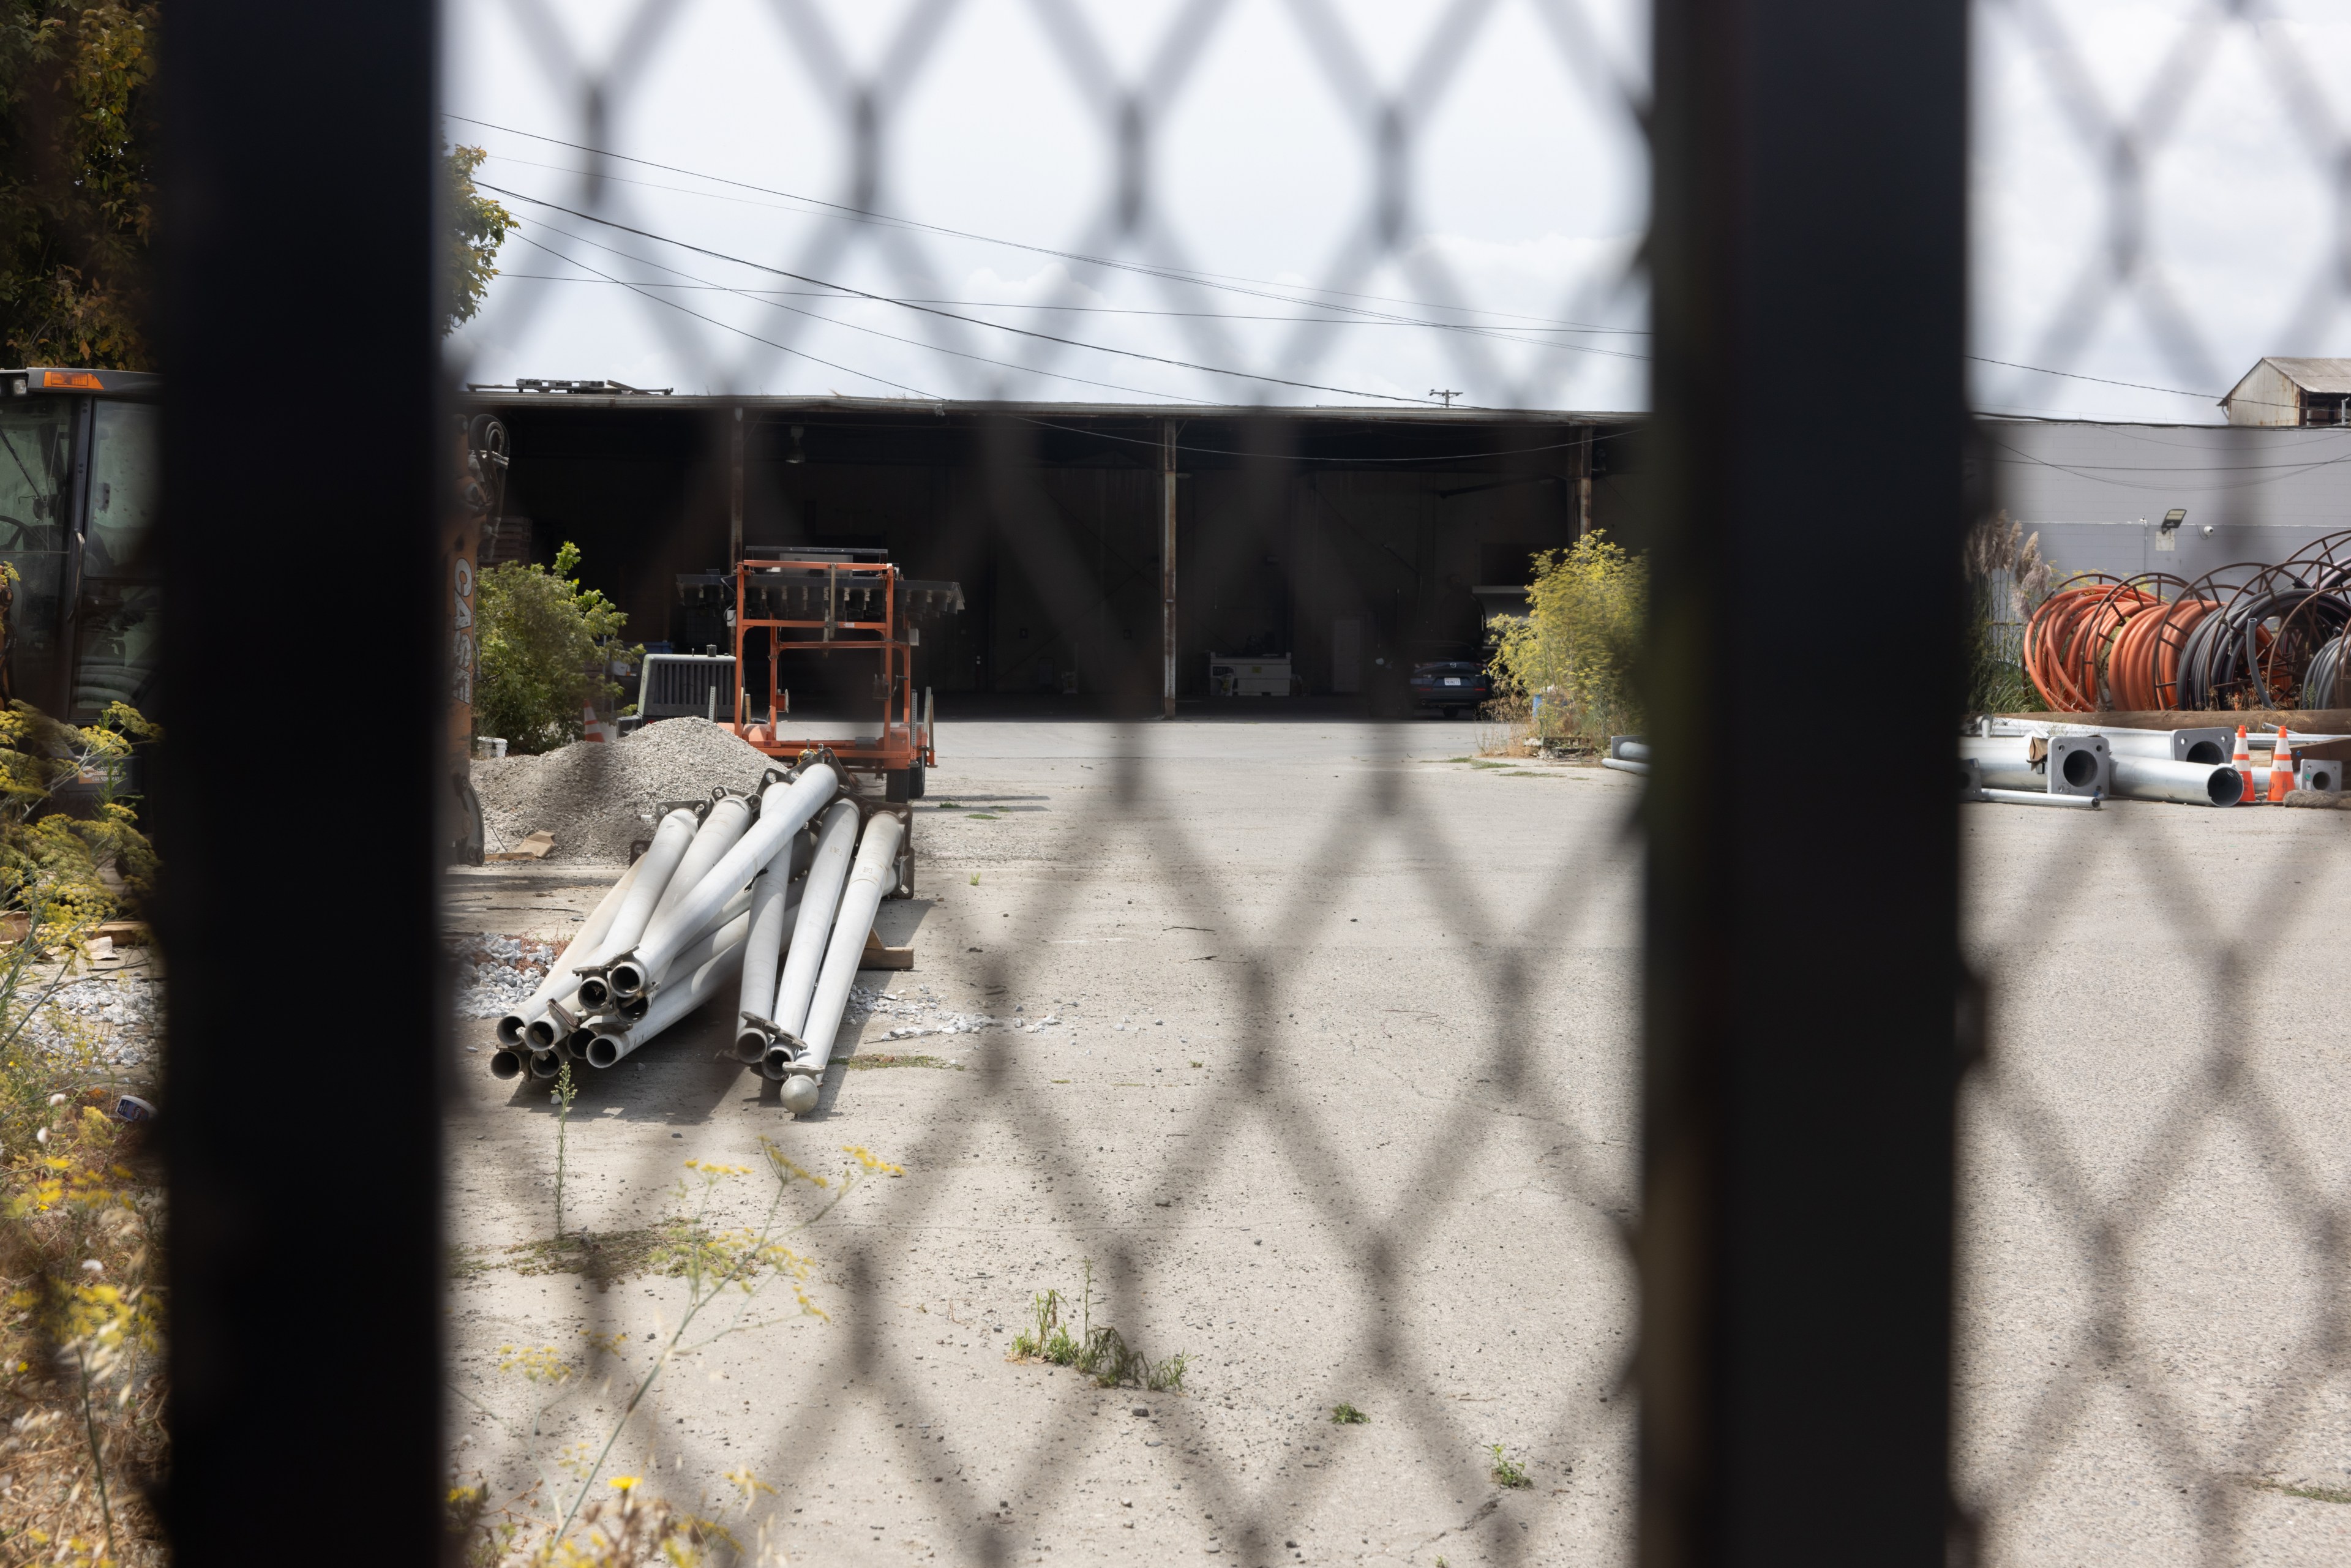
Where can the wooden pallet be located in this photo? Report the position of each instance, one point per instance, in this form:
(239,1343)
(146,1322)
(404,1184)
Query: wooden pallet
(879,956)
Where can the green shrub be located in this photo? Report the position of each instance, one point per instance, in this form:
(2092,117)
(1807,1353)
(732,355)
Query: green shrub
(545,642)
(54,862)
(1578,644)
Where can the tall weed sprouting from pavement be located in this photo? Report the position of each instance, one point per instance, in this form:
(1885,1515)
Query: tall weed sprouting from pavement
(561,1519)
(564,1093)
(1577,645)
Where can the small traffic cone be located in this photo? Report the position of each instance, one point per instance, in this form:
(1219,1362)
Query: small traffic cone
(2280,769)
(2243,763)
(591,730)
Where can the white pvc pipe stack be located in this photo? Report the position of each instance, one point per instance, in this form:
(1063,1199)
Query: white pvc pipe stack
(784,809)
(787,1006)
(775,902)
(699,972)
(673,840)
(722,830)
(677,924)
(559,973)
(875,874)
(608,1007)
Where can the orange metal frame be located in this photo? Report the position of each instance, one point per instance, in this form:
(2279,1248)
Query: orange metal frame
(903,740)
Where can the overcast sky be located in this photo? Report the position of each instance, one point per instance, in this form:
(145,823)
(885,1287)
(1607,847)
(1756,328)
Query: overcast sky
(1262,243)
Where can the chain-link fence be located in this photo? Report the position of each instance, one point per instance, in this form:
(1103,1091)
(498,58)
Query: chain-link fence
(2151,1261)
(1341,1094)
(1336,1073)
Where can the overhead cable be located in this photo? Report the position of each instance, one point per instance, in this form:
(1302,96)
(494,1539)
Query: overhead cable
(754,295)
(946,315)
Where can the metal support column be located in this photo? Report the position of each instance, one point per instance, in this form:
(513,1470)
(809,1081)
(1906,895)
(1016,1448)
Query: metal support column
(1795,1249)
(1167,565)
(734,494)
(1583,484)
(260,1373)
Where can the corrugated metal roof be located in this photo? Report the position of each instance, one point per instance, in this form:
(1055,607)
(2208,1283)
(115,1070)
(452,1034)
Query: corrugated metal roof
(2329,378)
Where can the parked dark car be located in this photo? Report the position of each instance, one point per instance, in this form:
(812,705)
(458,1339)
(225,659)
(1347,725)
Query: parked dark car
(1451,686)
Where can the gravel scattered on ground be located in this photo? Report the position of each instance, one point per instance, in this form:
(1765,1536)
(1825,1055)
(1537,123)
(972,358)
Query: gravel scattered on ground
(496,973)
(923,1014)
(117,1017)
(594,797)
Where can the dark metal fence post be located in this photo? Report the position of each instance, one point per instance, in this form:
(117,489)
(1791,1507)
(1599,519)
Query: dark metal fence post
(305,698)
(1810,264)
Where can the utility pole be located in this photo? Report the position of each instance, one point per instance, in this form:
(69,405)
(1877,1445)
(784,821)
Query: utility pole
(1447,396)
(1167,566)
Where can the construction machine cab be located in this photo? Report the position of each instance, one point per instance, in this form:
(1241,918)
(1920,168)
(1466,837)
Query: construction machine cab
(80,483)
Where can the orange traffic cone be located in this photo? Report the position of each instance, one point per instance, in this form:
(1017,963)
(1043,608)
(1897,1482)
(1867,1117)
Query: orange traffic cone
(2243,763)
(2280,769)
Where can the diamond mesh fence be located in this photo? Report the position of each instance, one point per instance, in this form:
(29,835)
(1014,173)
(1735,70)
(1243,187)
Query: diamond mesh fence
(2150,1312)
(1339,1100)
(1299,1050)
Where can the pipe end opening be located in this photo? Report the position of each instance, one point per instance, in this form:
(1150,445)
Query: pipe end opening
(603,1050)
(506,1064)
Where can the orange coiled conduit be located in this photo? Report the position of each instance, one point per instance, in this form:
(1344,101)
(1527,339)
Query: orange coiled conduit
(2143,667)
(2067,641)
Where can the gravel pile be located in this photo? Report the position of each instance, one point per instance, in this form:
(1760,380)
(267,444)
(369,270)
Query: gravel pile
(594,797)
(497,973)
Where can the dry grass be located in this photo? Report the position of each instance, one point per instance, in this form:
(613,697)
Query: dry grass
(79,1213)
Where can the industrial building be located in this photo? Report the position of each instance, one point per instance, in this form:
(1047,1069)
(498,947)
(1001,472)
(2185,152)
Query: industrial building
(1353,541)
(2291,392)
(2102,496)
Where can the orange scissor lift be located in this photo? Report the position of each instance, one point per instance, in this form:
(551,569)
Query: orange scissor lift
(831,602)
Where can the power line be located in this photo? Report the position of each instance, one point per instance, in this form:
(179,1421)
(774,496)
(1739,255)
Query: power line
(1229,282)
(948,315)
(861,375)
(1102,309)
(1232,283)
(813,316)
(2102,380)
